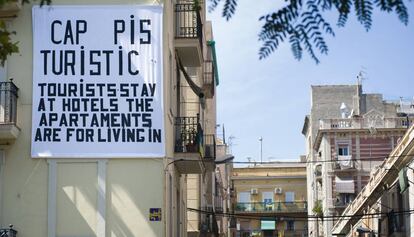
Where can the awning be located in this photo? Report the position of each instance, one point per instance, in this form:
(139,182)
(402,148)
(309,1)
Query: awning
(267,225)
(212,44)
(344,185)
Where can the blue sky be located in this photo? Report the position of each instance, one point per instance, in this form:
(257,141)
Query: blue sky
(271,97)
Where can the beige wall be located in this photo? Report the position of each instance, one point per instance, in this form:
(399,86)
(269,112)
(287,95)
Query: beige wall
(193,201)
(288,177)
(298,186)
(265,179)
(131,186)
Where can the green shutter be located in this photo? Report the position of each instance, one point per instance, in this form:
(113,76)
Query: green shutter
(403,180)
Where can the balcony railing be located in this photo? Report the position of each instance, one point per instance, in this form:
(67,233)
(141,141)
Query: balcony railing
(343,163)
(8,103)
(188,22)
(218,203)
(285,233)
(189,134)
(271,207)
(210,146)
(379,177)
(365,123)
(208,78)
(337,203)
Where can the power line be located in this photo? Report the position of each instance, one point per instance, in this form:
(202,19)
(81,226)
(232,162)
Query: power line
(308,217)
(376,158)
(305,217)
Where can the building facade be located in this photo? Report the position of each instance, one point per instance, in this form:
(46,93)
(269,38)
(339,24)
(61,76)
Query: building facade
(270,200)
(384,206)
(223,189)
(109,195)
(348,133)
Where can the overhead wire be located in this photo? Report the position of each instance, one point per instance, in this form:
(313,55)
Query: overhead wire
(304,217)
(376,158)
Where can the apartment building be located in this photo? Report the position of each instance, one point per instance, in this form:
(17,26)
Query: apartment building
(223,188)
(214,198)
(384,206)
(348,133)
(105,114)
(270,199)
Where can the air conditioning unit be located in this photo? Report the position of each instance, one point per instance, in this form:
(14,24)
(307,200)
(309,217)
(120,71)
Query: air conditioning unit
(254,191)
(278,190)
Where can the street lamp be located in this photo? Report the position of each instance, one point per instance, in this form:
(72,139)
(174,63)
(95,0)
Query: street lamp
(261,149)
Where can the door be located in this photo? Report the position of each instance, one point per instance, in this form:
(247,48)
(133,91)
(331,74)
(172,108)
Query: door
(267,199)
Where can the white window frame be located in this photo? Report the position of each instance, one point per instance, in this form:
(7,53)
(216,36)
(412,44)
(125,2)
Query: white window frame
(343,147)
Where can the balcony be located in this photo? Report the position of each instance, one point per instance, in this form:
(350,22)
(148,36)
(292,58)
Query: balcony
(364,123)
(10,9)
(208,79)
(271,207)
(383,176)
(188,34)
(343,164)
(209,142)
(284,233)
(337,203)
(218,203)
(8,112)
(293,233)
(189,145)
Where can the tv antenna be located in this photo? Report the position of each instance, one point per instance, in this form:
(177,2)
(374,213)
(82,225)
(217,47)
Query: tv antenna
(362,75)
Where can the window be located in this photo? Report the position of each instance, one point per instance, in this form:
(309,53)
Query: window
(244,201)
(344,199)
(290,225)
(267,198)
(244,196)
(343,150)
(289,197)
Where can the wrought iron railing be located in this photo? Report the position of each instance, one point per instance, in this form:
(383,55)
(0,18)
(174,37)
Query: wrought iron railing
(209,146)
(189,134)
(208,72)
(377,180)
(8,232)
(395,222)
(218,203)
(188,22)
(366,123)
(300,206)
(8,103)
(285,233)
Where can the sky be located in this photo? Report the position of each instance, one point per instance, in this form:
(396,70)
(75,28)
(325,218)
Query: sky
(269,98)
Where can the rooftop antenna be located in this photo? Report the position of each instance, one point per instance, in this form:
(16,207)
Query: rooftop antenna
(224,135)
(361,75)
(261,149)
(231,138)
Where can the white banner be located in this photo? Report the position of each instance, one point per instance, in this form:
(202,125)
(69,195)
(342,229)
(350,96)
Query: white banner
(97,82)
